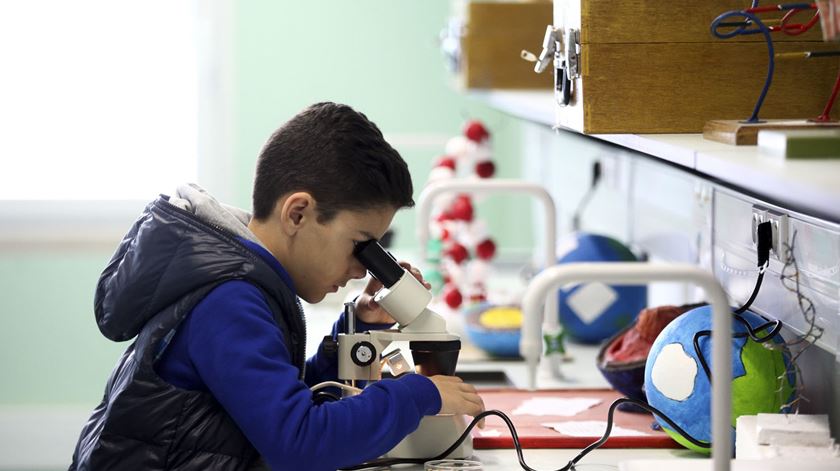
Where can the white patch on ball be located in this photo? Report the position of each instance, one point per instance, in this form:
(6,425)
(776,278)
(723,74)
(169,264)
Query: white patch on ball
(591,300)
(673,372)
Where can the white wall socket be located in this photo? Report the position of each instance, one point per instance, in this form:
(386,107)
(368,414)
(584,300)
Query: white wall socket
(611,174)
(779,225)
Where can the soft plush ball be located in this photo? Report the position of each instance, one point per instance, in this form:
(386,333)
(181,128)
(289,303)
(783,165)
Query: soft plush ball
(622,358)
(592,312)
(677,385)
(494,329)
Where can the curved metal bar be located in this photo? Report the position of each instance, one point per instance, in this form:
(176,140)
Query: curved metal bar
(544,287)
(424,210)
(431,191)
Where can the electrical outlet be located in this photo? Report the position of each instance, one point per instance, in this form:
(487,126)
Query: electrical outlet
(779,225)
(610,172)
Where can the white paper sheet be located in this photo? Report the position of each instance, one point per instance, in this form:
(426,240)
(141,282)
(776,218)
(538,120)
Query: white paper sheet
(541,406)
(592,428)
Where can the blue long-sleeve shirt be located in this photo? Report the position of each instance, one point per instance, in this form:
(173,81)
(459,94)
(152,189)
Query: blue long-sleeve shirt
(230,346)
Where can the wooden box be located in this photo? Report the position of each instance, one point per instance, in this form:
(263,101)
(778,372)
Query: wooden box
(653,66)
(494,35)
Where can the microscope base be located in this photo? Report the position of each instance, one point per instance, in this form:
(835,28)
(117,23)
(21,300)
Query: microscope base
(434,435)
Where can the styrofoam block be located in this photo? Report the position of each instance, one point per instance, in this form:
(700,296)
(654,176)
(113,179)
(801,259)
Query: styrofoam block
(793,430)
(747,445)
(685,464)
(800,452)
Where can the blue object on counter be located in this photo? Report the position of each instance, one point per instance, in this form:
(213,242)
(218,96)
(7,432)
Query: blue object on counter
(626,377)
(593,312)
(494,329)
(677,385)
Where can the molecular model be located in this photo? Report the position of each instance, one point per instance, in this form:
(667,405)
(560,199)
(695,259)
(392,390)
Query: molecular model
(460,245)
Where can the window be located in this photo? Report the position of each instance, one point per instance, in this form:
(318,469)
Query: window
(98,99)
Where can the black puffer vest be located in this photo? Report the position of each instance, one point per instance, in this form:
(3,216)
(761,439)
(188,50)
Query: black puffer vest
(165,265)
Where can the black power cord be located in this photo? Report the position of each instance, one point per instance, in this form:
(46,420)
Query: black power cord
(518,446)
(751,333)
(764,241)
(320,397)
(584,202)
(763,244)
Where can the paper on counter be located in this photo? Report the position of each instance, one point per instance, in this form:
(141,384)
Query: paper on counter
(592,428)
(540,406)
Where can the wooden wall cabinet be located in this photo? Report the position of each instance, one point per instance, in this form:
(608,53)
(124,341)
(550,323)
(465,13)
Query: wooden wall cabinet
(494,35)
(653,66)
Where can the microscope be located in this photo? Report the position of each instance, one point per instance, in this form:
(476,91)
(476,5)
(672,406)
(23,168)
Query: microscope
(433,350)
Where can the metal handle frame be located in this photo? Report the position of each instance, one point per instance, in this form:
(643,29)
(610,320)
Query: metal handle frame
(474,187)
(543,287)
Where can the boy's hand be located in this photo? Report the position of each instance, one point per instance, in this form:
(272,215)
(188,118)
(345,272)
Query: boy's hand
(368,310)
(458,397)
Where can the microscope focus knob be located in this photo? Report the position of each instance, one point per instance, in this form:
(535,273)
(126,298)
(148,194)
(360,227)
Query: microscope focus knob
(363,353)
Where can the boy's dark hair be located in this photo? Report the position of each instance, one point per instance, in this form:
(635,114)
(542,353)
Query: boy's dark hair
(338,156)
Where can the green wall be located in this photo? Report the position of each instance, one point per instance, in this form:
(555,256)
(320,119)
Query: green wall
(50,348)
(380,56)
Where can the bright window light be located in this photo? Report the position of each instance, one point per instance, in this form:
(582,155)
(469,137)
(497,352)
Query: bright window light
(98,98)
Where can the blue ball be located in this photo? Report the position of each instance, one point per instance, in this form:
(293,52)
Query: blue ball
(677,385)
(593,312)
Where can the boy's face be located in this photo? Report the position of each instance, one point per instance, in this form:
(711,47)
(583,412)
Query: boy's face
(319,256)
(322,260)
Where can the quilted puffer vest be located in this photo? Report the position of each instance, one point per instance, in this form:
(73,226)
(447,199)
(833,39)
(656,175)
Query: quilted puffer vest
(164,266)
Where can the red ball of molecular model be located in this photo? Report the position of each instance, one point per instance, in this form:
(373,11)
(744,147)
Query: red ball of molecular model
(465,248)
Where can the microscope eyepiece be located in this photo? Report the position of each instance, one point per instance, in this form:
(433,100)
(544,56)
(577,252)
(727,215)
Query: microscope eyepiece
(379,262)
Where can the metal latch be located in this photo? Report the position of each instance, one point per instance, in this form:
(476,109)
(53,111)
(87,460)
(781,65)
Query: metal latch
(566,55)
(552,43)
(573,53)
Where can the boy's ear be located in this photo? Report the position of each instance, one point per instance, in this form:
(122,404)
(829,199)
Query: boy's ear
(296,211)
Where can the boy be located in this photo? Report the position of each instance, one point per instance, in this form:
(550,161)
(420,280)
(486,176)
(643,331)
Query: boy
(217,377)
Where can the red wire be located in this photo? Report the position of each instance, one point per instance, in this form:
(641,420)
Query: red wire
(796,28)
(825,116)
(769,8)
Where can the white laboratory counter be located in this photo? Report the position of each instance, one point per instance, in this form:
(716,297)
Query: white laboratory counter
(578,372)
(811,186)
(552,459)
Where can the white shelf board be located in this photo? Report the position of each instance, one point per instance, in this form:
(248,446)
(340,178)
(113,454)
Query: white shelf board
(674,148)
(810,186)
(530,105)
